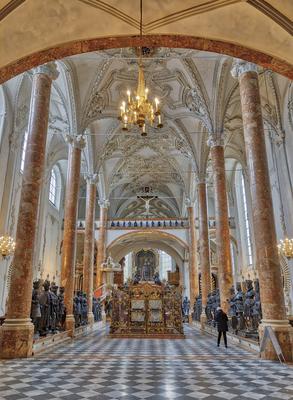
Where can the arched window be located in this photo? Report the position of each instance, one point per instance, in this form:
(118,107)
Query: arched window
(166,264)
(23,150)
(53,187)
(246,220)
(243,216)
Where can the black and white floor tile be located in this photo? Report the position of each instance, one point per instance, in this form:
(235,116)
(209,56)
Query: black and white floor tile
(96,367)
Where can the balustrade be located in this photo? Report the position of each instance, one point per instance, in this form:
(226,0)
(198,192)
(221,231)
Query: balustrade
(179,223)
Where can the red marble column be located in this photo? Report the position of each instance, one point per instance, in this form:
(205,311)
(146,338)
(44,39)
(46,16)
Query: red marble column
(70,217)
(17,331)
(204,246)
(225,277)
(193,269)
(268,263)
(101,247)
(89,239)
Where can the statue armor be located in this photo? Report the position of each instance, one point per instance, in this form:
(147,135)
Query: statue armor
(53,308)
(45,301)
(35,307)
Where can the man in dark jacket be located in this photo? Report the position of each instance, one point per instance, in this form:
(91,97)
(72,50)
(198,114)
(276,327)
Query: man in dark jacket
(222,323)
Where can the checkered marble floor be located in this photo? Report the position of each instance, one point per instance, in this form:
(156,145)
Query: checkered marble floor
(96,367)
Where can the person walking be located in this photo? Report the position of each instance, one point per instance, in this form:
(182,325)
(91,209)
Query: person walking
(222,322)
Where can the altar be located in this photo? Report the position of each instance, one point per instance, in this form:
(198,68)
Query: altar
(147,309)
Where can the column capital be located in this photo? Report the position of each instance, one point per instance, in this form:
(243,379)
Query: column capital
(49,69)
(105,203)
(201,178)
(91,178)
(239,67)
(76,141)
(188,202)
(215,140)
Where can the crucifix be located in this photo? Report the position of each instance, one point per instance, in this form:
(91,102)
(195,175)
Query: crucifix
(147,199)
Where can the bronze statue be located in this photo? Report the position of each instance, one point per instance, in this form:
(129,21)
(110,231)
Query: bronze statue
(185,309)
(84,309)
(45,309)
(61,309)
(197,308)
(77,309)
(35,307)
(53,307)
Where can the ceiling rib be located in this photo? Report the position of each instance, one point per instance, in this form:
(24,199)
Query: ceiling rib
(188,12)
(113,11)
(272,13)
(9,7)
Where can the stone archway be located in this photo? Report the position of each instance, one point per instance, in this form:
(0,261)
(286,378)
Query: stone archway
(174,41)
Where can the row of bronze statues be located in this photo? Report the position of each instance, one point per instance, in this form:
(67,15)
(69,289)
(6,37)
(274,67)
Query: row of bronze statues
(48,311)
(244,311)
(147,223)
(245,308)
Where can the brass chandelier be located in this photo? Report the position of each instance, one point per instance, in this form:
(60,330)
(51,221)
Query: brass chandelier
(7,246)
(138,110)
(286,247)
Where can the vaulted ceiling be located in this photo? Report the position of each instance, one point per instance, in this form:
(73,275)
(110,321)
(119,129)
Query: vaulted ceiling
(198,96)
(28,28)
(189,84)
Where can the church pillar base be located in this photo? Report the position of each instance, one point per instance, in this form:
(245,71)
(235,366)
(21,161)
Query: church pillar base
(70,324)
(203,321)
(90,319)
(16,338)
(284,333)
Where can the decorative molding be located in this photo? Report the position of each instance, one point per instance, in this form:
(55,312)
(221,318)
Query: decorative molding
(239,67)
(49,69)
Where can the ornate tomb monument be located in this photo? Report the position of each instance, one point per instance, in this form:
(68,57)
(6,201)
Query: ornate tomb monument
(147,309)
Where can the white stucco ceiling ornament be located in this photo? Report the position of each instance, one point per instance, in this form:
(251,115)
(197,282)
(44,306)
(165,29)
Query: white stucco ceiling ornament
(199,97)
(93,95)
(151,55)
(58,125)
(96,107)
